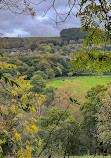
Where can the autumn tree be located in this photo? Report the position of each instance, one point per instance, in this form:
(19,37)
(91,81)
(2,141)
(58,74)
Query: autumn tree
(18,129)
(65,137)
(72,97)
(49,93)
(72,34)
(104,118)
(41,73)
(38,83)
(90,109)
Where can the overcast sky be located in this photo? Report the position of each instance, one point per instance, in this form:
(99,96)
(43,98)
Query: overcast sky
(12,25)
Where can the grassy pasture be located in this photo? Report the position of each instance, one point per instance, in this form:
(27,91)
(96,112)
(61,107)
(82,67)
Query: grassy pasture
(86,81)
(41,38)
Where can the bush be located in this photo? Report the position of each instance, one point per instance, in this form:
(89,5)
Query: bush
(41,73)
(38,83)
(70,74)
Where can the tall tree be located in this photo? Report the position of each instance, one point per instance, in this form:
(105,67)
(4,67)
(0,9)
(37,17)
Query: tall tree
(90,109)
(19,109)
(104,119)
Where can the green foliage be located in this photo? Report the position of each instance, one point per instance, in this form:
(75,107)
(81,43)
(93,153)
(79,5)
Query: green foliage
(49,93)
(90,109)
(33,47)
(72,34)
(70,74)
(104,117)
(91,61)
(95,18)
(60,130)
(38,83)
(30,72)
(7,80)
(59,125)
(40,38)
(51,73)
(44,66)
(41,73)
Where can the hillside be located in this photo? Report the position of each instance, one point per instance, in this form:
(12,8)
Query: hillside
(63,85)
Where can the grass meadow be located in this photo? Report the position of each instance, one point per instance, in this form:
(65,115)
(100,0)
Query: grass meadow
(40,38)
(86,81)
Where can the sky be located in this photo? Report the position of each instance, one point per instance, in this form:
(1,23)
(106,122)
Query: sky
(14,25)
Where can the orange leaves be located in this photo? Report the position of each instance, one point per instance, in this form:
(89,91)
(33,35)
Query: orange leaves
(64,95)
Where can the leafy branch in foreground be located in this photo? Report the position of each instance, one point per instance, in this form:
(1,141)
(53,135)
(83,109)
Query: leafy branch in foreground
(94,61)
(6,79)
(19,111)
(18,114)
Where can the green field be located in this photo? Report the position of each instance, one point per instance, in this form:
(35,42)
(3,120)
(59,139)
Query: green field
(86,81)
(41,38)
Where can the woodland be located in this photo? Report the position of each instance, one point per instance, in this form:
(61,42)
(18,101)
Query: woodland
(37,120)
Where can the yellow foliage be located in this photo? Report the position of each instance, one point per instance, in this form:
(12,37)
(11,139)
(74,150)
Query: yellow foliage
(24,98)
(27,129)
(13,108)
(4,110)
(33,128)
(14,93)
(13,100)
(5,65)
(1,149)
(33,109)
(32,101)
(5,43)
(27,142)
(17,136)
(6,133)
(28,151)
(40,142)
(18,73)
(60,71)
(20,115)
(19,152)
(1,141)
(18,123)
(15,119)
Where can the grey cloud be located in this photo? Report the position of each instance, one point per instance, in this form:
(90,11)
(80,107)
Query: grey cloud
(11,24)
(40,30)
